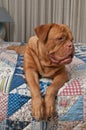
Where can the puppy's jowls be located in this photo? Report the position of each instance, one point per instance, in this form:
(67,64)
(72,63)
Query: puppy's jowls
(46,54)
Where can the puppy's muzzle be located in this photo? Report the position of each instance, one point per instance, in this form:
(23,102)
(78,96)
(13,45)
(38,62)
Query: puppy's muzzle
(63,57)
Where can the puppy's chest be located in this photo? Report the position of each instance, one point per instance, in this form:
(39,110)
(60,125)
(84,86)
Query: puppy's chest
(47,70)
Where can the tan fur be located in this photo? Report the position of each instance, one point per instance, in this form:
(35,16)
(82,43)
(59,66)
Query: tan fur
(46,54)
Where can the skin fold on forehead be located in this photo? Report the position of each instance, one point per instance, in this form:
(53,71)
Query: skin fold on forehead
(58,31)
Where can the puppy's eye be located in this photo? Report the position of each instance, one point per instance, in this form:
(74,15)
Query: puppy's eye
(61,38)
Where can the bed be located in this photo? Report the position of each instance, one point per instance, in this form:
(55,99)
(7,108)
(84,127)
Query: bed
(15,98)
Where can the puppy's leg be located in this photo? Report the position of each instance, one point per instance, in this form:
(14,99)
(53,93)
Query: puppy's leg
(52,90)
(37,100)
(32,78)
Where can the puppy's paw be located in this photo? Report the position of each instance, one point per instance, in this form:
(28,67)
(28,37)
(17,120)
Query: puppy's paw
(38,108)
(49,105)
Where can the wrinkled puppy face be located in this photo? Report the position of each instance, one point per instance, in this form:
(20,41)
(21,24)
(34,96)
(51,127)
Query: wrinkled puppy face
(57,40)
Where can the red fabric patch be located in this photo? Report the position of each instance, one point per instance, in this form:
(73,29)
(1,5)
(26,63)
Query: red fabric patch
(3,106)
(73,87)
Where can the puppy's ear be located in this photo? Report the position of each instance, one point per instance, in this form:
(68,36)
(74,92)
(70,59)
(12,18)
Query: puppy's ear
(42,32)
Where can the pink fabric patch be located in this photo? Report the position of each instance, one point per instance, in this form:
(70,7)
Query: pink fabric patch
(3,106)
(72,88)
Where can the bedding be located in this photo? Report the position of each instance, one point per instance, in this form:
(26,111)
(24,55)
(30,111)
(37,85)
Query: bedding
(15,98)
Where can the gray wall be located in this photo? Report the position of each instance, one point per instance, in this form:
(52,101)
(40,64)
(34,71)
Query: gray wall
(28,14)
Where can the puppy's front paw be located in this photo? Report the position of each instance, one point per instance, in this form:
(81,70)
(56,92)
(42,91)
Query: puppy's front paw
(38,108)
(50,106)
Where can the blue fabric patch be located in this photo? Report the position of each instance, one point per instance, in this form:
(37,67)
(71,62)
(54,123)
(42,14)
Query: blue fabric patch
(19,71)
(81,67)
(16,82)
(44,84)
(17,78)
(15,102)
(83,48)
(81,53)
(72,114)
(20,61)
(19,64)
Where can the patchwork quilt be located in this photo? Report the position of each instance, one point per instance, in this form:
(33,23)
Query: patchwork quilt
(15,98)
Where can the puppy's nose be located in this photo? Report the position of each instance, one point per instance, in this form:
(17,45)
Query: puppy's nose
(69,44)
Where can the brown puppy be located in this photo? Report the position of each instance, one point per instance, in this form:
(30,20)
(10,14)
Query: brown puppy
(46,55)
